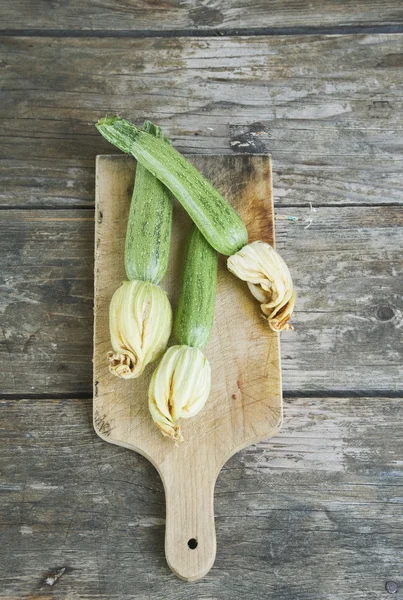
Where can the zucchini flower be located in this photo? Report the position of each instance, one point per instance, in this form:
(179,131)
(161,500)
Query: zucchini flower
(140,323)
(269,281)
(179,388)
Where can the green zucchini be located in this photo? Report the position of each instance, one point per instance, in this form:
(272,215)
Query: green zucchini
(149,224)
(195,312)
(217,220)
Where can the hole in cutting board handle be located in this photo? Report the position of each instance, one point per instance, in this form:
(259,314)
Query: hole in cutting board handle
(192,543)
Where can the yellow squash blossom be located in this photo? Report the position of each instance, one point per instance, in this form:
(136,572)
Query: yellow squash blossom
(140,323)
(179,388)
(268,279)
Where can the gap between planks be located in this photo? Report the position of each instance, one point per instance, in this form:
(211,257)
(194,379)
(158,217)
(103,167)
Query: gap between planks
(342,394)
(231,32)
(277,205)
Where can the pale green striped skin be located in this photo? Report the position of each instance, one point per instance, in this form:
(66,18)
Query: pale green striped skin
(217,220)
(149,225)
(195,312)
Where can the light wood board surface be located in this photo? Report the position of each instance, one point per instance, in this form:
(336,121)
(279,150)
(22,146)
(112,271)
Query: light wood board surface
(245,404)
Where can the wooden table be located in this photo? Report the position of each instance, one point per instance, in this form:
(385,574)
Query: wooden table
(316,512)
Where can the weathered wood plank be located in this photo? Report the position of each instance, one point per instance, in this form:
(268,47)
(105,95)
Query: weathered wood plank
(46,301)
(347,265)
(346,262)
(189,14)
(328,108)
(313,513)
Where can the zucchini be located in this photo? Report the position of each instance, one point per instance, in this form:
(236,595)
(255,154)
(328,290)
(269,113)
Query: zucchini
(217,220)
(149,225)
(195,312)
(181,383)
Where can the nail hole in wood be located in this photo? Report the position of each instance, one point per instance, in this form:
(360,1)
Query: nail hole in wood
(391,587)
(192,543)
(385,313)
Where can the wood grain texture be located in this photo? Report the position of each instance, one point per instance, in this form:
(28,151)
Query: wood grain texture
(316,512)
(245,403)
(148,15)
(46,301)
(347,267)
(328,108)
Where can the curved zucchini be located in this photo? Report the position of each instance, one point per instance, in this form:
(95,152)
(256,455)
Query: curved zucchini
(149,224)
(217,220)
(195,312)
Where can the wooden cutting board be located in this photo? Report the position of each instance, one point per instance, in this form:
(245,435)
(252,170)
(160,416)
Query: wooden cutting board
(245,405)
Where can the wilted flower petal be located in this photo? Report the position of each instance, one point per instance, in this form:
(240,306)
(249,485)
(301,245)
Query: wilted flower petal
(268,279)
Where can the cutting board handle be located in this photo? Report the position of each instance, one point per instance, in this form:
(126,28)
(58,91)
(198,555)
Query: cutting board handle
(190,539)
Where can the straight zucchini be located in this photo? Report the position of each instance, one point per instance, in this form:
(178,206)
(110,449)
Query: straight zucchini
(195,312)
(149,225)
(217,220)
(180,385)
(140,314)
